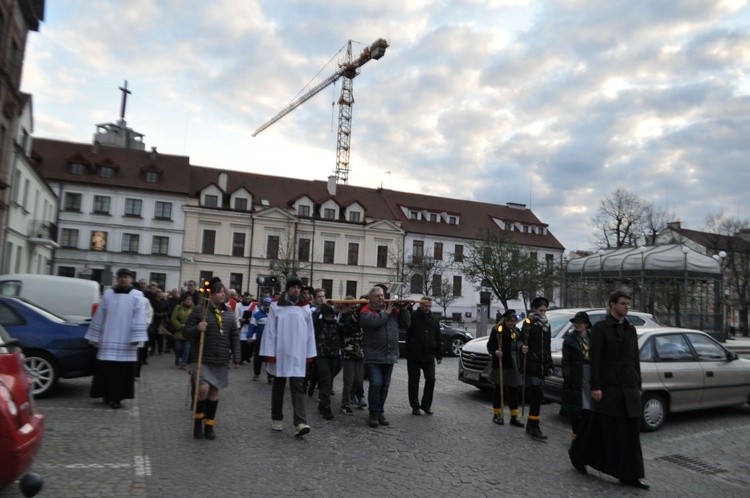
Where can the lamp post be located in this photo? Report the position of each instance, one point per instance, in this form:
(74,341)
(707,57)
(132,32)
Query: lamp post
(685,252)
(721,295)
(601,253)
(642,249)
(566,260)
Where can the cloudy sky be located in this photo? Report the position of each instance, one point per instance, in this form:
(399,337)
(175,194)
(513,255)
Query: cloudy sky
(553,104)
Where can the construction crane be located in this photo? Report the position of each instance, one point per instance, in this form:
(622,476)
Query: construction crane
(348,69)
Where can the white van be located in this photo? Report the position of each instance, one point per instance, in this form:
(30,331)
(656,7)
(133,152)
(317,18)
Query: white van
(72,298)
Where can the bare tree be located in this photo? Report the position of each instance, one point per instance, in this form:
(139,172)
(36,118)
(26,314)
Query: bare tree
(618,220)
(443,296)
(425,272)
(287,261)
(494,260)
(728,235)
(653,221)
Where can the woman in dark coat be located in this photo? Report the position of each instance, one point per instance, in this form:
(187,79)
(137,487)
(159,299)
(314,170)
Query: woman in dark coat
(576,370)
(538,361)
(506,335)
(610,441)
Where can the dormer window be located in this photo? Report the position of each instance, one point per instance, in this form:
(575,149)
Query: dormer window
(354,216)
(211,201)
(151,177)
(106,171)
(433,217)
(240,204)
(452,220)
(414,215)
(303,210)
(329,214)
(77,168)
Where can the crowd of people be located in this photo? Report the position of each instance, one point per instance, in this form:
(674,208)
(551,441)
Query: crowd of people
(305,341)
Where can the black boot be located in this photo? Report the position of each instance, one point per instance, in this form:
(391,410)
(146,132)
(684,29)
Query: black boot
(515,421)
(373,421)
(208,430)
(536,432)
(198,428)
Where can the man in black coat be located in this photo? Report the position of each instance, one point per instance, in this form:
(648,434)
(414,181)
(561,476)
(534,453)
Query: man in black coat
(536,362)
(615,400)
(424,346)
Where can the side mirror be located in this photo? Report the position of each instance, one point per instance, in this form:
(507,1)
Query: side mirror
(731,356)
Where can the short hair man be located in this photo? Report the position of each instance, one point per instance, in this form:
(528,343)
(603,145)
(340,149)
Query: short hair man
(424,346)
(380,324)
(117,327)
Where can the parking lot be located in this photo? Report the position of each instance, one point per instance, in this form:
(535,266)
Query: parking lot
(145,448)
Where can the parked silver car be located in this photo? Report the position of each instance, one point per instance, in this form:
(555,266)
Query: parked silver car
(474,363)
(681,370)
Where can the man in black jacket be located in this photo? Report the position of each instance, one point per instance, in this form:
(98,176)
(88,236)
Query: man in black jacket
(424,346)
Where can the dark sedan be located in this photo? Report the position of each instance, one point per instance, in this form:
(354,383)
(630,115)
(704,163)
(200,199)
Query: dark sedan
(53,347)
(453,340)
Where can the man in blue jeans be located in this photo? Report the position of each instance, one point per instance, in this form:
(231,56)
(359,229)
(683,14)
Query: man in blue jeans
(380,330)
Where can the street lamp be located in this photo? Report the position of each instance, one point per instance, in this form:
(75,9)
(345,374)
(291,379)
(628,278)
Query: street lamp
(721,295)
(601,253)
(642,250)
(685,251)
(566,260)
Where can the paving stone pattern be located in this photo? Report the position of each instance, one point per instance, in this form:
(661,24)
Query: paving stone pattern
(145,448)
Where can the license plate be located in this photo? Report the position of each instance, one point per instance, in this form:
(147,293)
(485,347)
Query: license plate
(471,375)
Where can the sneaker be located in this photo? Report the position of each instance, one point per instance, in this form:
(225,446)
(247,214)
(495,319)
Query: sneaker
(301,429)
(276,425)
(346,410)
(360,402)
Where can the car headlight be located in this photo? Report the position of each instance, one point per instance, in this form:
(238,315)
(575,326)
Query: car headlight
(468,334)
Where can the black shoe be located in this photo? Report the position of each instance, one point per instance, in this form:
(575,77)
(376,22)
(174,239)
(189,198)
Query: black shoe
(580,468)
(382,420)
(427,410)
(327,414)
(498,419)
(415,411)
(636,483)
(311,391)
(209,433)
(115,405)
(373,421)
(515,422)
(536,433)
(198,428)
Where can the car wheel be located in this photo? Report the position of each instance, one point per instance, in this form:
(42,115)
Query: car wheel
(654,412)
(41,369)
(457,344)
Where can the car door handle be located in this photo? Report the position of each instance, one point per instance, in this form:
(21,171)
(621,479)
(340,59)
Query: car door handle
(709,374)
(668,375)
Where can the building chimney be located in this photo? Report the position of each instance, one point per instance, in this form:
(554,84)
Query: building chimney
(332,185)
(154,155)
(676,225)
(223,181)
(95,148)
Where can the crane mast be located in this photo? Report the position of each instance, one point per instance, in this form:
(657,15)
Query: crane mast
(348,70)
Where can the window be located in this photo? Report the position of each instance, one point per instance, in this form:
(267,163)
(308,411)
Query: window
(415,286)
(77,168)
(433,217)
(133,207)
(525,229)
(417,252)
(457,284)
(69,237)
(329,248)
(707,349)
(272,248)
(414,215)
(163,210)
(508,226)
(205,275)
(550,260)
(151,176)
(382,261)
(66,271)
(26,186)
(304,250)
(235,282)
(533,255)
(240,204)
(72,202)
(351,288)
(130,242)
(303,210)
(437,252)
(458,253)
(209,242)
(160,245)
(437,280)
(329,214)
(101,204)
(159,278)
(238,244)
(211,201)
(451,220)
(106,171)
(672,347)
(353,255)
(353,216)
(327,285)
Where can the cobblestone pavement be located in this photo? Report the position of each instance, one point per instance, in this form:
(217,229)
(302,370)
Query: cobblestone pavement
(145,448)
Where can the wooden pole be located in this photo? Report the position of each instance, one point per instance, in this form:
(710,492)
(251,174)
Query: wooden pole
(365,301)
(500,362)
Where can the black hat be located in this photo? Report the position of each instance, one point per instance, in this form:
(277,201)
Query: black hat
(326,310)
(293,280)
(508,314)
(581,315)
(538,302)
(215,285)
(124,271)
